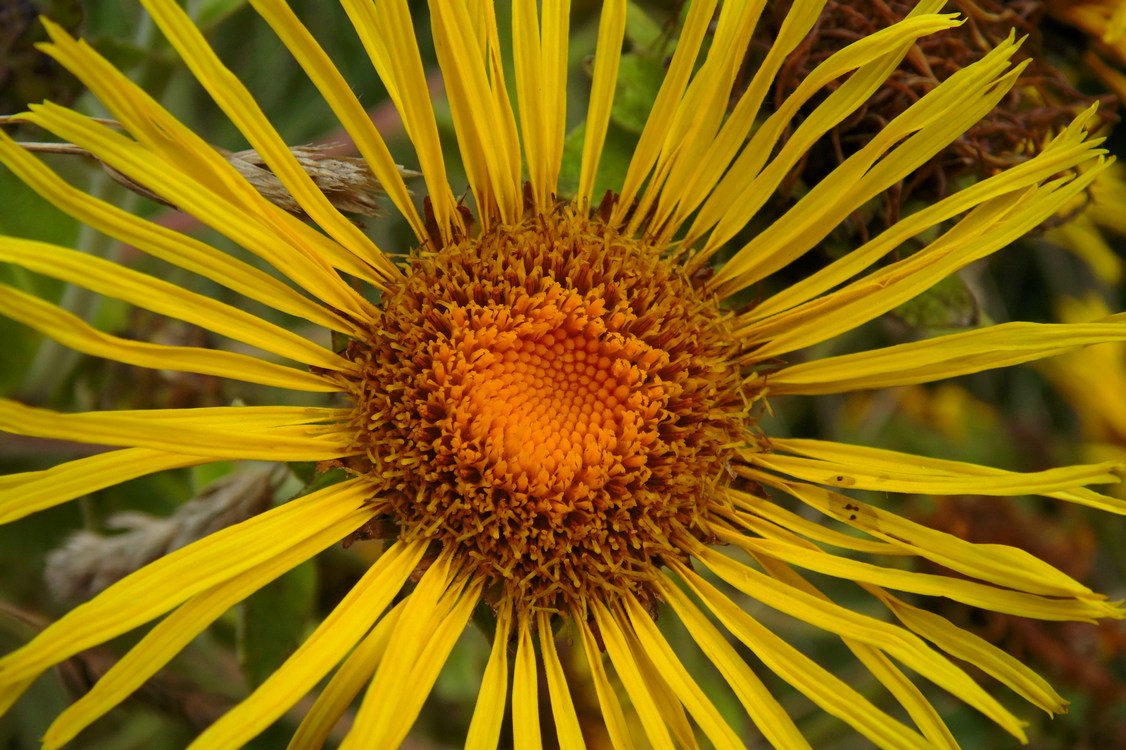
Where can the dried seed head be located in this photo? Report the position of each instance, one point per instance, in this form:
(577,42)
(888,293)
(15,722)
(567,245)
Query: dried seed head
(346,181)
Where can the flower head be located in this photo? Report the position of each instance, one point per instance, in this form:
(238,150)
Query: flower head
(547,421)
(552,411)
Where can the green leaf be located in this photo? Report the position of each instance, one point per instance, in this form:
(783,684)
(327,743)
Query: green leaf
(25,214)
(639,80)
(340,341)
(318,481)
(949,305)
(127,57)
(305,471)
(612,167)
(205,474)
(641,30)
(211,13)
(274,621)
(20,342)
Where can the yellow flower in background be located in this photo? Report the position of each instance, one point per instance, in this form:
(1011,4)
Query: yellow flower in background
(1104,23)
(555,399)
(1104,20)
(1093,221)
(948,409)
(1091,381)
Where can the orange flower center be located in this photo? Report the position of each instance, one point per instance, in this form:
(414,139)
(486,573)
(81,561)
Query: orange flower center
(541,401)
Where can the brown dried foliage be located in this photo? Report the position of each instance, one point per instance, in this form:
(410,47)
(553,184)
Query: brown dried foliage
(1040,105)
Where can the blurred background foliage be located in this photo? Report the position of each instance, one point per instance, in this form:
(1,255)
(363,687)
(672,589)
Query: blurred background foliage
(1068,410)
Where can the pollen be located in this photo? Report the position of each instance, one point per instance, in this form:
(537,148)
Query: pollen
(555,401)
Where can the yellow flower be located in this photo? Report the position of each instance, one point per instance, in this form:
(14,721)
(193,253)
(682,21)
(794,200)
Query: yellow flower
(554,399)
(1104,23)
(1093,221)
(1104,20)
(1090,381)
(948,409)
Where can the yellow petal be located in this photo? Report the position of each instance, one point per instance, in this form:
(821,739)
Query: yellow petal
(668,704)
(554,41)
(388,36)
(320,652)
(151,293)
(921,711)
(611,32)
(885,463)
(1066,151)
(660,119)
(899,148)
(857,467)
(897,683)
(962,644)
(32,491)
(616,725)
(191,160)
(652,720)
(985,230)
(491,158)
(455,609)
(944,357)
(488,713)
(928,584)
(540,60)
(531,94)
(146,120)
(338,94)
(288,244)
(525,693)
(180,575)
(770,511)
(1002,565)
(11,692)
(872,58)
(225,433)
(1092,499)
(435,615)
(166,244)
(567,730)
(70,330)
(798,601)
(654,645)
(178,629)
(346,684)
(239,105)
(763,709)
(735,130)
(829,692)
(504,121)
(699,113)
